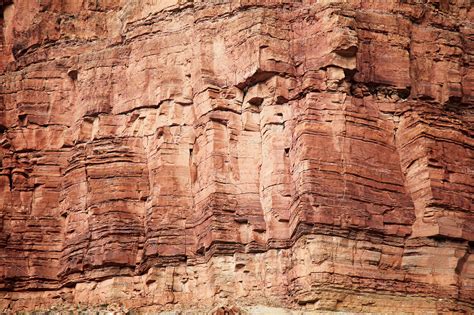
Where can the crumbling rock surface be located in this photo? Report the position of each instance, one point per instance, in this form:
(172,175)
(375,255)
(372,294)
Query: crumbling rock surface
(216,155)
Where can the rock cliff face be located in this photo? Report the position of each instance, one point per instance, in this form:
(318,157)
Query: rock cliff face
(188,155)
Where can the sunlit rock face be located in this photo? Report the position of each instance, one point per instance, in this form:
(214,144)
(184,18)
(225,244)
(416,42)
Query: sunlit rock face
(237,156)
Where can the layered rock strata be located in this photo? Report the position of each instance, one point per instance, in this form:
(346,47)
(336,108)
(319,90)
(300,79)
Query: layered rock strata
(184,155)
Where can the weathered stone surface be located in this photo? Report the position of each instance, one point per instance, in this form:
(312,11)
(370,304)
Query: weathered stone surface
(237,156)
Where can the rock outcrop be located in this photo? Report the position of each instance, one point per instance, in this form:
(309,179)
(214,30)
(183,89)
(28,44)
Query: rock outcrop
(221,155)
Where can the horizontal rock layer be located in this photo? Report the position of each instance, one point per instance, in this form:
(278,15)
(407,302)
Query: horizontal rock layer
(170,155)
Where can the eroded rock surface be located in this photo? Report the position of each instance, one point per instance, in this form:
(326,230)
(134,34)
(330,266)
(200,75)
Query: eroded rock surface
(237,155)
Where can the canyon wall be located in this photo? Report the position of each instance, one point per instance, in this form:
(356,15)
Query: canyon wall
(309,155)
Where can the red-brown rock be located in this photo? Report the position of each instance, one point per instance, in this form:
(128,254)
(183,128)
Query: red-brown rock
(237,156)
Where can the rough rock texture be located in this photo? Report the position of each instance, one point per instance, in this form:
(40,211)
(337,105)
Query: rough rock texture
(190,155)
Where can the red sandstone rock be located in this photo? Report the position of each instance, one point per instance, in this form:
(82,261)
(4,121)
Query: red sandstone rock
(237,156)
